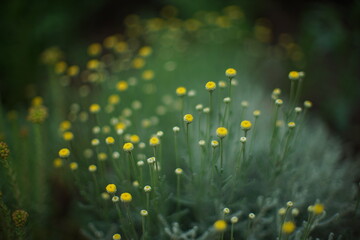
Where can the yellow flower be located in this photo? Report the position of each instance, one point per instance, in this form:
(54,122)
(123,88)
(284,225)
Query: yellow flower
(318,209)
(181,91)
(93,64)
(145,51)
(94,49)
(110,42)
(154,141)
(294,75)
(134,138)
(188,118)
(220,225)
(58,162)
(256,113)
(148,74)
(37,101)
(120,125)
(94,108)
(126,197)
(111,188)
(114,99)
(291,125)
(138,63)
(122,86)
(214,143)
(73,71)
(109,140)
(128,147)
(210,86)
(121,47)
(144,213)
(73,166)
(230,72)
(221,132)
(68,136)
(116,236)
(307,104)
(245,125)
(102,156)
(65,125)
(92,168)
(64,153)
(288,227)
(60,67)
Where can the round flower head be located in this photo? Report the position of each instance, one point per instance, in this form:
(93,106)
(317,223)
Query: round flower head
(199,107)
(122,86)
(230,72)
(206,110)
(111,188)
(5,151)
(140,163)
(192,93)
(245,125)
(301,74)
(94,108)
(19,217)
(96,129)
(234,220)
(73,166)
(176,129)
(105,196)
(278,102)
(147,188)
(154,141)
(243,139)
(128,147)
(294,75)
(245,104)
(318,209)
(135,183)
(181,91)
(116,236)
(290,204)
(222,84)
(109,140)
(58,162)
(64,153)
(282,211)
(298,109)
(102,156)
(307,104)
(37,114)
(220,225)
(202,142)
(115,199)
(295,212)
(252,215)
(160,133)
(226,210)
(227,100)
(144,213)
(188,118)
(151,160)
(65,125)
(178,171)
(92,168)
(68,136)
(134,138)
(221,132)
(256,113)
(125,197)
(210,86)
(214,143)
(95,142)
(291,125)
(288,227)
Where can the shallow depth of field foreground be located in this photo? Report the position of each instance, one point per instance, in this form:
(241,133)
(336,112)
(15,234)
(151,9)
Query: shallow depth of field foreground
(171,129)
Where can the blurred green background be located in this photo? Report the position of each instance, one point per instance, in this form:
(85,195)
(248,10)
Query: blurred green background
(327,31)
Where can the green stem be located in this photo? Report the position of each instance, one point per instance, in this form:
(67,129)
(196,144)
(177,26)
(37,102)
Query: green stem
(221,156)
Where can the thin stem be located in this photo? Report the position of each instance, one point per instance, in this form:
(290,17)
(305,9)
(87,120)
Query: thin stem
(221,156)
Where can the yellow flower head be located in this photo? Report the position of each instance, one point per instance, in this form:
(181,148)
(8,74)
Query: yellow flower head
(145,51)
(307,104)
(221,132)
(154,141)
(60,67)
(120,125)
(148,75)
(58,162)
(134,138)
(294,75)
(37,114)
(93,64)
(245,125)
(68,136)
(64,153)
(291,125)
(37,101)
(220,225)
(114,99)
(73,166)
(111,188)
(116,236)
(318,209)
(188,118)
(128,147)
(138,63)
(144,213)
(230,72)
(94,49)
(125,197)
(109,140)
(288,227)
(92,168)
(110,41)
(210,86)
(73,70)
(214,143)
(65,125)
(121,47)
(102,156)
(181,91)
(257,113)
(94,108)
(122,86)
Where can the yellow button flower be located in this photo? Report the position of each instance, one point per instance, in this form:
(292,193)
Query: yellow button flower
(58,162)
(188,118)
(116,236)
(128,147)
(73,166)
(109,140)
(111,188)
(94,49)
(125,197)
(122,86)
(318,209)
(288,227)
(181,91)
(245,125)
(65,125)
(294,75)
(154,141)
(210,86)
(221,132)
(68,136)
(220,225)
(64,153)
(114,99)
(145,51)
(94,108)
(230,72)
(134,138)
